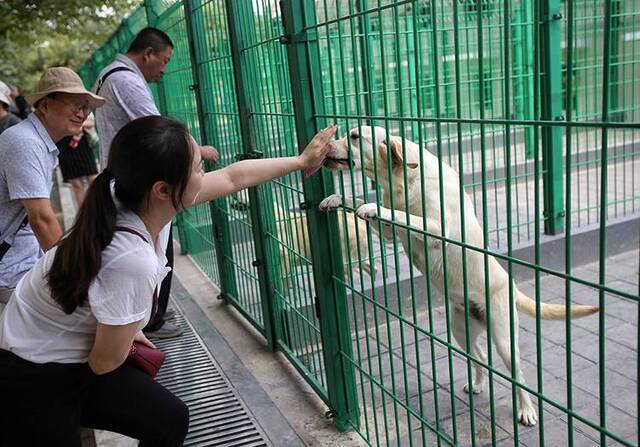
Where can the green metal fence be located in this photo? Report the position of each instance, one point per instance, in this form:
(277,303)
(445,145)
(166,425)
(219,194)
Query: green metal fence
(535,104)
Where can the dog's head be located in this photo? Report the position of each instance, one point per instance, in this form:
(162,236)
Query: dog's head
(372,150)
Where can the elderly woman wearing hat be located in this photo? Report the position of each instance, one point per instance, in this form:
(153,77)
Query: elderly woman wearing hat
(28,156)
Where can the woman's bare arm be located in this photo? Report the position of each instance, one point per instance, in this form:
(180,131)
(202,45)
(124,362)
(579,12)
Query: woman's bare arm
(247,173)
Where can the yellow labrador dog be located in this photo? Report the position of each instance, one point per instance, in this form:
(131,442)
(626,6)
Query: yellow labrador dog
(358,150)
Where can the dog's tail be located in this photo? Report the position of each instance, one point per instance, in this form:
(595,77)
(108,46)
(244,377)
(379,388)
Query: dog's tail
(552,311)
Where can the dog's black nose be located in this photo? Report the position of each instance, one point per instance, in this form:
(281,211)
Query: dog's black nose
(354,135)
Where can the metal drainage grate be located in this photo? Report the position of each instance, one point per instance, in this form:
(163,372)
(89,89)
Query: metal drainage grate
(218,417)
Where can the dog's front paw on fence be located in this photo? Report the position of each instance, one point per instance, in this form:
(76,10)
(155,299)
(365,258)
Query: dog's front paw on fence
(330,203)
(368,211)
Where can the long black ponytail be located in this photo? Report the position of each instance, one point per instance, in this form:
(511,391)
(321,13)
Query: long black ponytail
(144,151)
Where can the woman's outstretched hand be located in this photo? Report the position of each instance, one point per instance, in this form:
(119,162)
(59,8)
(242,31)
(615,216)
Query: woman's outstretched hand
(316,151)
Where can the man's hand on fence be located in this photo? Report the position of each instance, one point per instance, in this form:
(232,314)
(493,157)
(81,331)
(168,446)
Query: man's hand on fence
(316,151)
(209,153)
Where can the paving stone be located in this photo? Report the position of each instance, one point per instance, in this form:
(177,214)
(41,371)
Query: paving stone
(623,360)
(579,335)
(394,388)
(367,347)
(554,361)
(555,434)
(620,392)
(618,423)
(623,309)
(444,401)
(527,341)
(625,334)
(482,433)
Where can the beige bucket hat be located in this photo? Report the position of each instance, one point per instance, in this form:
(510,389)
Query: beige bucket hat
(63,80)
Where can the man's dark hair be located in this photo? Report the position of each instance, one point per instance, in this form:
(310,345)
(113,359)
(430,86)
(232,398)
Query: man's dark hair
(150,37)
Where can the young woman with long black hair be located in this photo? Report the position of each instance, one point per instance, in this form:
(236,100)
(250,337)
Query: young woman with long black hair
(68,329)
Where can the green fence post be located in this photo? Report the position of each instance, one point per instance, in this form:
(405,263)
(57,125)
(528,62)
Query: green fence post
(522,50)
(260,199)
(412,59)
(150,10)
(306,86)
(551,83)
(614,48)
(364,28)
(152,17)
(201,82)
(448,81)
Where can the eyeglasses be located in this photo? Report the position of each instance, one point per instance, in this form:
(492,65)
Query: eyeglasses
(75,107)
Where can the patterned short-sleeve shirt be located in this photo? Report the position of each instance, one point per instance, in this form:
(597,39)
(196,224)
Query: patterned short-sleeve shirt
(28,157)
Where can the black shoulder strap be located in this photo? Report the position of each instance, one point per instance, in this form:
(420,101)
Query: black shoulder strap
(132,231)
(4,240)
(107,74)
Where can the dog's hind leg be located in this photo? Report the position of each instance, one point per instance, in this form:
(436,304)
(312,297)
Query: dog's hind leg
(500,331)
(475,329)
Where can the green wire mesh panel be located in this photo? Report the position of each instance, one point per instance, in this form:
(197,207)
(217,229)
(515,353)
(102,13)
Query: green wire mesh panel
(461,80)
(178,76)
(587,72)
(194,225)
(288,238)
(222,124)
(159,7)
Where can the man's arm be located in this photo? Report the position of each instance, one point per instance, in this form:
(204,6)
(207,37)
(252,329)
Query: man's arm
(43,222)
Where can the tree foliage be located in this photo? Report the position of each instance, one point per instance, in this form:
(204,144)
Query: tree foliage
(36,34)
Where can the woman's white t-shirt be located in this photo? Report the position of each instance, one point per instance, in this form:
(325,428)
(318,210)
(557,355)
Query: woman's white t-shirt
(34,327)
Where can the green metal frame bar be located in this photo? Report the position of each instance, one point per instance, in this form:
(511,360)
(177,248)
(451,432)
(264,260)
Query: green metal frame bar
(551,69)
(368,77)
(152,18)
(263,220)
(614,67)
(522,50)
(220,224)
(306,86)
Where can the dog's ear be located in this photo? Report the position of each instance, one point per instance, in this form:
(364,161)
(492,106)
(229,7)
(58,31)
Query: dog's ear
(395,145)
